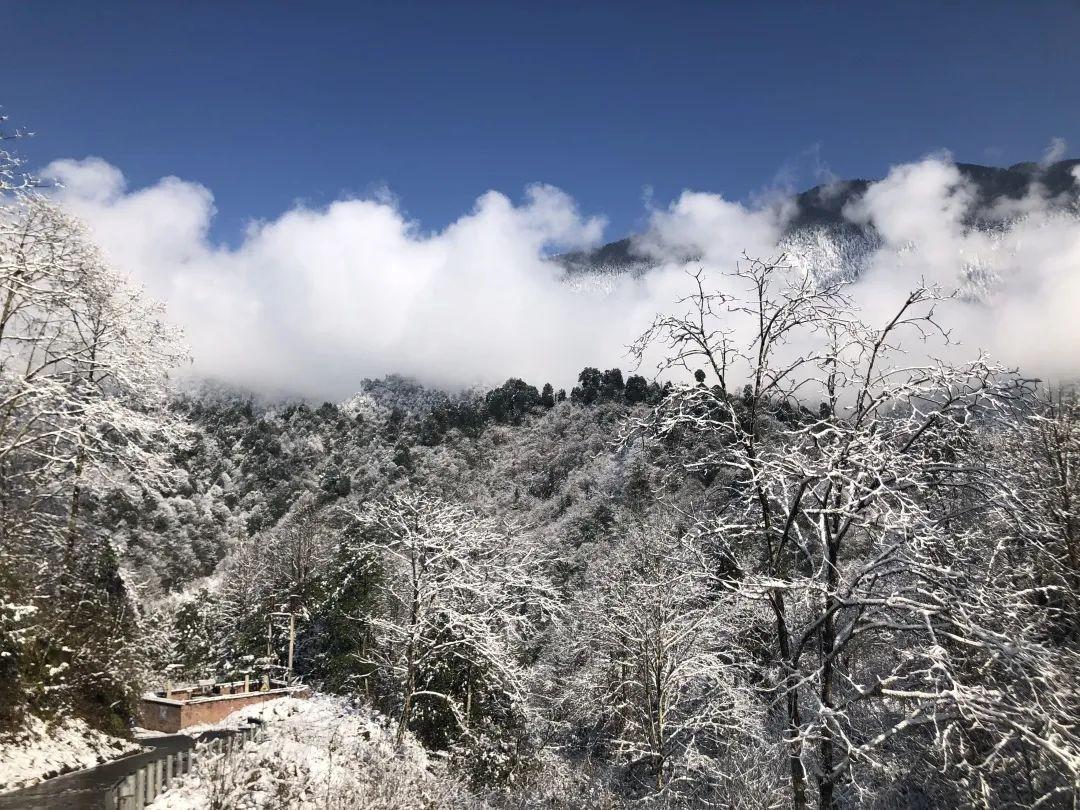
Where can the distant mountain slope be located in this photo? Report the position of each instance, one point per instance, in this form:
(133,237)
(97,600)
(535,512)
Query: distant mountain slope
(615,256)
(822,207)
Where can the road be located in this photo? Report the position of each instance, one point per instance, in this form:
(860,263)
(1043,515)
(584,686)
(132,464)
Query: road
(86,790)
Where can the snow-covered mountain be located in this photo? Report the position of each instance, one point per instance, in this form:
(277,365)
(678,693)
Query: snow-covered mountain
(819,229)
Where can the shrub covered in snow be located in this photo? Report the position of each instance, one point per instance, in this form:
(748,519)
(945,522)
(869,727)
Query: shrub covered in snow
(318,753)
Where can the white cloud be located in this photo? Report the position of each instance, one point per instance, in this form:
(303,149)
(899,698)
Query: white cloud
(1019,284)
(915,201)
(92,179)
(316,299)
(713,230)
(1054,152)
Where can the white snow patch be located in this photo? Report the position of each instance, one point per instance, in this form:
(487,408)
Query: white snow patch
(317,753)
(39,751)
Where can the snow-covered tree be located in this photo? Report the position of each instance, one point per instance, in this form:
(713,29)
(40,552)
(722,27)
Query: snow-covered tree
(657,632)
(12,177)
(1044,451)
(853,524)
(85,360)
(461,600)
(84,365)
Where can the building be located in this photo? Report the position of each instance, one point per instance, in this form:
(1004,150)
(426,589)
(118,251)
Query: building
(176,708)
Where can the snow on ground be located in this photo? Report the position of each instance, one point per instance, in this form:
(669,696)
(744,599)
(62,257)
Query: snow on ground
(41,751)
(316,753)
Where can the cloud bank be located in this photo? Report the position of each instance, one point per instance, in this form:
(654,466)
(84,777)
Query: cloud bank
(1019,280)
(315,300)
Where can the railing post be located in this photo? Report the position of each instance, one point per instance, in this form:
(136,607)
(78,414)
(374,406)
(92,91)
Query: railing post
(128,800)
(151,781)
(140,788)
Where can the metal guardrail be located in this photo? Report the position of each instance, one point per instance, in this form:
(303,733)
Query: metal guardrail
(140,787)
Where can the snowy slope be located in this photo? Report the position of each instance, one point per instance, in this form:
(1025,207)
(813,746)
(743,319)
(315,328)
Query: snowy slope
(40,751)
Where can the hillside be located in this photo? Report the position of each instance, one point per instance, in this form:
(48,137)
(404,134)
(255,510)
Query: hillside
(824,549)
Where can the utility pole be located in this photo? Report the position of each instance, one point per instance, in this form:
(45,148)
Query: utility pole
(292,639)
(292,645)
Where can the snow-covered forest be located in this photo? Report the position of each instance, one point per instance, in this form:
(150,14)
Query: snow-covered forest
(799,554)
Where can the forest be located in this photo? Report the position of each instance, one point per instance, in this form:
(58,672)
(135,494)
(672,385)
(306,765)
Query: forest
(796,555)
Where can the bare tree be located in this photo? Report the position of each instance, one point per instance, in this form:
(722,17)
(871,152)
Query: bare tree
(12,177)
(658,633)
(1045,451)
(853,522)
(454,586)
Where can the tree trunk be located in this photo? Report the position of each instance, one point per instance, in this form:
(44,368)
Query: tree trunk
(80,462)
(406,704)
(410,655)
(827,780)
(73,511)
(794,715)
(468,696)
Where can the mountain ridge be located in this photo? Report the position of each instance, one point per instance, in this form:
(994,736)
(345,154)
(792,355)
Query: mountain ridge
(822,207)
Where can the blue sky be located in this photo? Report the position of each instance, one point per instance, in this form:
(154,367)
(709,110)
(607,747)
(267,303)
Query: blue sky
(269,103)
